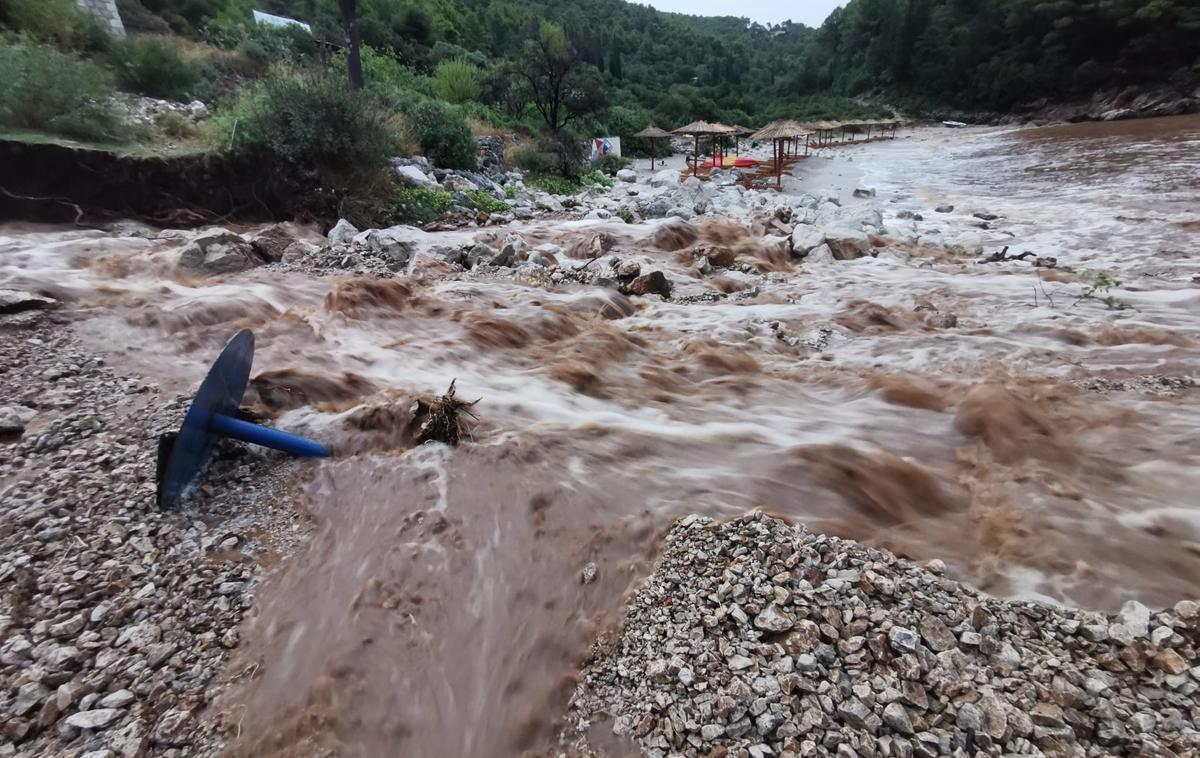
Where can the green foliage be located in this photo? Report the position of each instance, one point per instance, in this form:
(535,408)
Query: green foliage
(531,160)
(456,81)
(311,121)
(609,164)
(43,89)
(443,135)
(152,66)
(266,44)
(551,75)
(485,201)
(175,125)
(595,178)
(391,82)
(1098,286)
(414,205)
(58,22)
(510,192)
(999,54)
(556,185)
(444,51)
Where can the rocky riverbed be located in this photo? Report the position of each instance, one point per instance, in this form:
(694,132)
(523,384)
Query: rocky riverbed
(756,638)
(872,364)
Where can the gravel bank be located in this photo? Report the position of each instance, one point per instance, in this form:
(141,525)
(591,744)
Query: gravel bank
(755,638)
(116,617)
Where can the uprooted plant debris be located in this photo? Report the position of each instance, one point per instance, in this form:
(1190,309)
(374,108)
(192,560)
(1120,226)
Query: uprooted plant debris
(1004,257)
(441,419)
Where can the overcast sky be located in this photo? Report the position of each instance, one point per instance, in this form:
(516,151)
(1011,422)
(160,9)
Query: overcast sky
(810,12)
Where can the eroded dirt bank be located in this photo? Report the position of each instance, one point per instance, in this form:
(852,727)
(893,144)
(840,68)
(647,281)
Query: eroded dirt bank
(855,367)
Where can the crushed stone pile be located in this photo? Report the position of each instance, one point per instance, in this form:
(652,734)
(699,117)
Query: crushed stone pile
(116,618)
(756,638)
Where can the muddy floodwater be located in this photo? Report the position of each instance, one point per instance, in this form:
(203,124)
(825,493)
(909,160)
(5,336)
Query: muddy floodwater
(1042,442)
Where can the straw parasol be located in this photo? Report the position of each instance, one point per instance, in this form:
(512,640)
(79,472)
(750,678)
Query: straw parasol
(740,131)
(653,132)
(778,132)
(696,130)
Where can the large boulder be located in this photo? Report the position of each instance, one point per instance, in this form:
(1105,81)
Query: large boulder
(847,244)
(668,177)
(967,243)
(656,208)
(653,283)
(15,301)
(456,183)
(396,248)
(820,254)
(342,232)
(514,246)
(415,177)
(486,255)
(220,253)
(14,418)
(627,175)
(491,152)
(805,238)
(271,243)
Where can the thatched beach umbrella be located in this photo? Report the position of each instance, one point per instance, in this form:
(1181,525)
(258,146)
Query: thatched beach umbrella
(777,132)
(740,131)
(702,128)
(653,132)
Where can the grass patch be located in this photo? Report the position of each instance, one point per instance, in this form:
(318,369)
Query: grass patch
(595,178)
(555,185)
(486,201)
(415,205)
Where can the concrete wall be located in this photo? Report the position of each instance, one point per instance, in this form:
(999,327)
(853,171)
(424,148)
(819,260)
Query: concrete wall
(106,11)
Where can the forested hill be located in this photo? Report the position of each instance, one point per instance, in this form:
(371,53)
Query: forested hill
(973,53)
(678,67)
(999,53)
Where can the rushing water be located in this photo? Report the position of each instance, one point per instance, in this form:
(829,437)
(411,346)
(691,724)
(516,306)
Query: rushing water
(1045,447)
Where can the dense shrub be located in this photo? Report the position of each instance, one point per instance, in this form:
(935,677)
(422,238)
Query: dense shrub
(387,79)
(556,185)
(456,81)
(443,135)
(485,201)
(413,205)
(595,178)
(311,121)
(531,160)
(610,164)
(43,89)
(569,152)
(58,22)
(277,44)
(443,51)
(176,125)
(152,66)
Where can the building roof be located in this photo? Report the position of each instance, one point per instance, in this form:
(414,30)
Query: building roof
(273,20)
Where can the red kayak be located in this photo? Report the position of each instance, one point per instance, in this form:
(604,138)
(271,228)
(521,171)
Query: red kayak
(734,162)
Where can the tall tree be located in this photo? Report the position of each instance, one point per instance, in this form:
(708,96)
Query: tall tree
(614,62)
(349,10)
(551,72)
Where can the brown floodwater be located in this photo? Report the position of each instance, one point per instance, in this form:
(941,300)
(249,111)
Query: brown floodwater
(1044,447)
